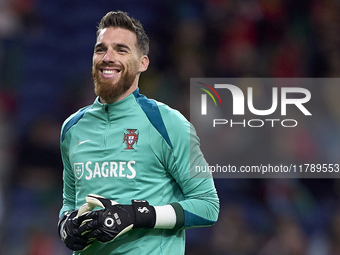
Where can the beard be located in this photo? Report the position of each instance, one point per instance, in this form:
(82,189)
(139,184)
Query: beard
(109,90)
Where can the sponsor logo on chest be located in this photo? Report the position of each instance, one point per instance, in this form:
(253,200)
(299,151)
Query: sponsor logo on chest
(112,169)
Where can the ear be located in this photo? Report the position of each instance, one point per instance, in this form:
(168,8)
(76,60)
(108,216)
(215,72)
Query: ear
(144,63)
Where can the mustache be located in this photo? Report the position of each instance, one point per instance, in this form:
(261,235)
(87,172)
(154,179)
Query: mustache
(103,64)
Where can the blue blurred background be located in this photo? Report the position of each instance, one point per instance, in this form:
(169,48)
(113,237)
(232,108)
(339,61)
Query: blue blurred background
(45,75)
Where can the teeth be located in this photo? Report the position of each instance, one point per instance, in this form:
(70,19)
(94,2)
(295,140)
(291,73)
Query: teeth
(109,71)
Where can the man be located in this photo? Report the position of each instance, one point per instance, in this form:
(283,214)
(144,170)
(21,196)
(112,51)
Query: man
(125,147)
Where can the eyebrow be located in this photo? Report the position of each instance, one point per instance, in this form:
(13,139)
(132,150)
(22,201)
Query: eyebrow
(118,45)
(98,45)
(122,45)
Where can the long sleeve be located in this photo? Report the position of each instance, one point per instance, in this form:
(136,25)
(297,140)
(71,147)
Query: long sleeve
(69,194)
(201,203)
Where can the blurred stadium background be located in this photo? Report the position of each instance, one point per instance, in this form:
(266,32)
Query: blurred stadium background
(45,75)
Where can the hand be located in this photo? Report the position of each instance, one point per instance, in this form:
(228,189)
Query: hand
(69,231)
(116,219)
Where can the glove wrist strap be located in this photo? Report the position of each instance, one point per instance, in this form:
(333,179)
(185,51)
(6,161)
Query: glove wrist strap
(145,214)
(61,225)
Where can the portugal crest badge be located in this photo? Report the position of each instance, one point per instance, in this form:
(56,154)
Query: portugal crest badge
(130,138)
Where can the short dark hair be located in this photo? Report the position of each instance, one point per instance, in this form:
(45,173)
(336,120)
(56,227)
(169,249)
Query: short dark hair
(123,20)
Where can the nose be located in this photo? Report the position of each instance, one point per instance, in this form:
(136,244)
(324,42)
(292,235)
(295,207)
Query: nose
(108,57)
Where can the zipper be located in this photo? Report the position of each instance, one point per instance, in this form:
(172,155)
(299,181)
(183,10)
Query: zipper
(108,125)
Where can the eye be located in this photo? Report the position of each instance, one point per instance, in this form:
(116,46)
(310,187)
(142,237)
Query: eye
(98,50)
(122,50)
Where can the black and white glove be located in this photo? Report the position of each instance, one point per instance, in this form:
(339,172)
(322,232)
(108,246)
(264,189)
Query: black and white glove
(116,219)
(69,229)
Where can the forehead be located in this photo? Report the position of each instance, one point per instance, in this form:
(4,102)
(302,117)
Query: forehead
(115,35)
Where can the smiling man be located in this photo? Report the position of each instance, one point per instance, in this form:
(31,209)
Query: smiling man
(117,63)
(127,182)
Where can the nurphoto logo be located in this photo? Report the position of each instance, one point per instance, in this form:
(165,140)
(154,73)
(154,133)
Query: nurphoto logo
(281,98)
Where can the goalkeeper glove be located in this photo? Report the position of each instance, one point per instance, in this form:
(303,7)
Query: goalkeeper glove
(69,231)
(115,219)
